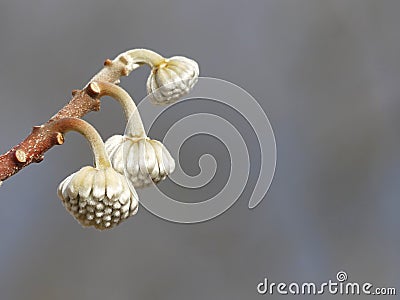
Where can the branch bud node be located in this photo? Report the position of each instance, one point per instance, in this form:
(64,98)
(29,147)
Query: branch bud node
(125,72)
(20,156)
(36,128)
(93,89)
(124,60)
(108,62)
(59,138)
(39,159)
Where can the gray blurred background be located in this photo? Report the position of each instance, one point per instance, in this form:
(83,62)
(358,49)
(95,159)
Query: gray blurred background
(327,74)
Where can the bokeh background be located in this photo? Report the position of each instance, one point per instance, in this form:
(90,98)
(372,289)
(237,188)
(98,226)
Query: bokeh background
(327,74)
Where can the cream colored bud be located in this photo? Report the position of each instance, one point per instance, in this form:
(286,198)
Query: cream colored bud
(98,197)
(144,160)
(172,79)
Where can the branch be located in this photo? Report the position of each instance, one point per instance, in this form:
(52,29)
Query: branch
(42,138)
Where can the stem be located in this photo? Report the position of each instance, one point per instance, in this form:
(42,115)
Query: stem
(125,63)
(135,128)
(90,133)
(144,56)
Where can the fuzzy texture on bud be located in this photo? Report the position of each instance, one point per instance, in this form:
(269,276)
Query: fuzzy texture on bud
(172,79)
(98,197)
(144,160)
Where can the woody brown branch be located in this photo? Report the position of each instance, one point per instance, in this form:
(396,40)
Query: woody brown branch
(41,139)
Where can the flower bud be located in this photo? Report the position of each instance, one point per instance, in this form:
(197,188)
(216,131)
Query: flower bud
(98,197)
(144,160)
(172,79)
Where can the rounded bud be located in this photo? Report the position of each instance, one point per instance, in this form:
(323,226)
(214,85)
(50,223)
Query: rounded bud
(98,197)
(144,160)
(172,79)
